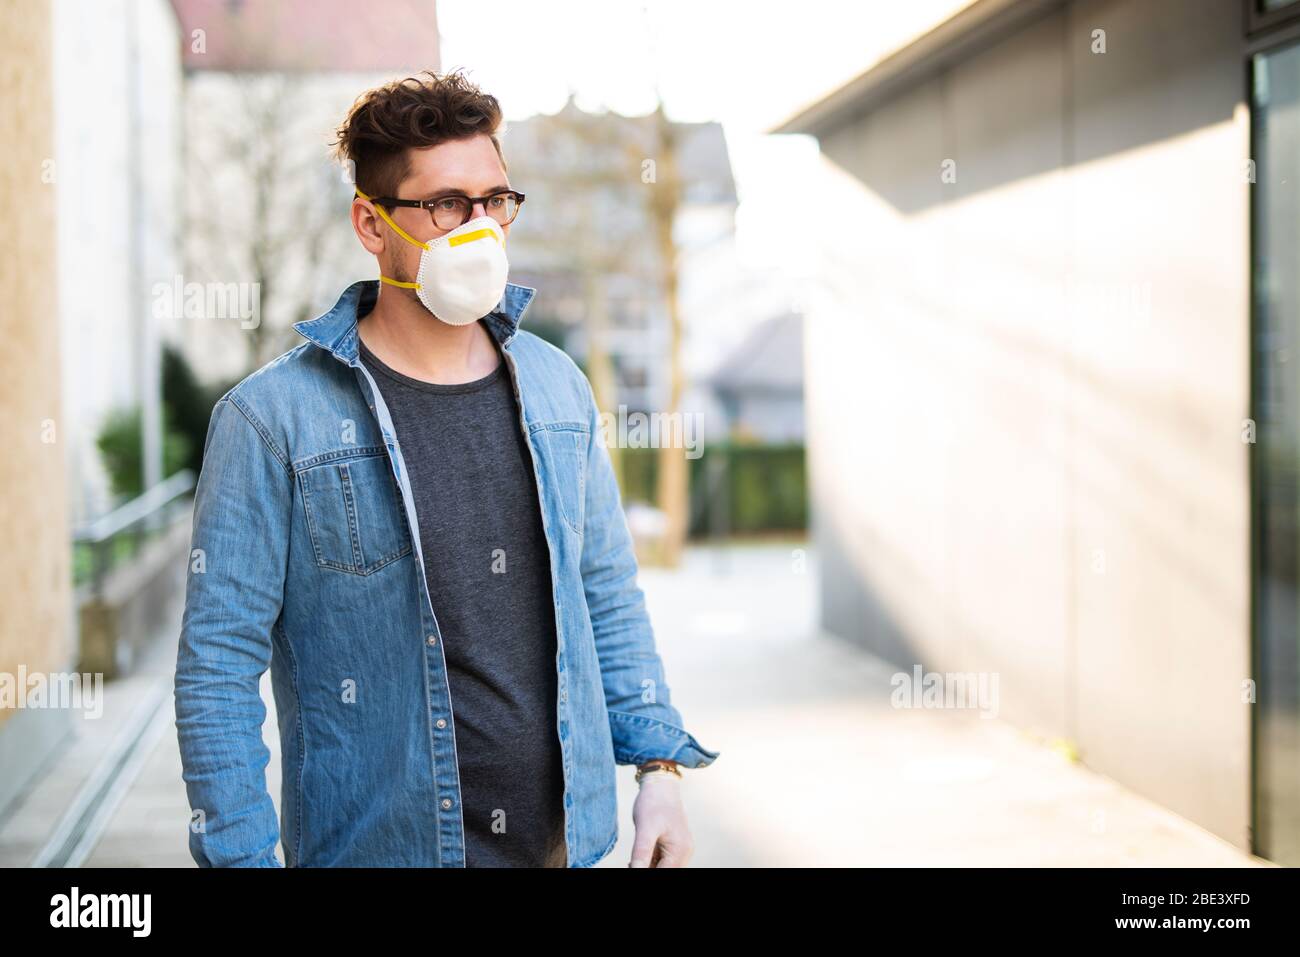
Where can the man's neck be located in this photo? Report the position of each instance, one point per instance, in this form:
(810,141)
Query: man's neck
(408,339)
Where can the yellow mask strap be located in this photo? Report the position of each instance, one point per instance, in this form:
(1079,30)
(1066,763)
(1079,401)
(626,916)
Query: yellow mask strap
(401,232)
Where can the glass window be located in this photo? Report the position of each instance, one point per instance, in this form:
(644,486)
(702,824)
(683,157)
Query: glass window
(1276,410)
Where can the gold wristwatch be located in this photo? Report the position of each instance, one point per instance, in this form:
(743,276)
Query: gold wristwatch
(657,766)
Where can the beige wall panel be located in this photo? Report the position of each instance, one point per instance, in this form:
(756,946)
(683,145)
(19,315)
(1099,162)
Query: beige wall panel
(35,608)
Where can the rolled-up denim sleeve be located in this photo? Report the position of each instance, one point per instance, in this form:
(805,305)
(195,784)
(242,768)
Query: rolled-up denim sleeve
(643,721)
(234,592)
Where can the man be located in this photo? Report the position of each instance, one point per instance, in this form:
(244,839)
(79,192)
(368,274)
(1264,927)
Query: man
(412,520)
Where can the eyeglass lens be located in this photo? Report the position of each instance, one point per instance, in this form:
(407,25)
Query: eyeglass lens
(452,211)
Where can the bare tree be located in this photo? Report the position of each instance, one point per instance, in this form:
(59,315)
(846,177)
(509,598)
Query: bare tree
(618,190)
(262,209)
(665,200)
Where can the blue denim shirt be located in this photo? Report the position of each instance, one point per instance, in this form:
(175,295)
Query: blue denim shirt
(306,559)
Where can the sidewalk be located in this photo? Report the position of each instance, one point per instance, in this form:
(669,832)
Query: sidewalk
(816,768)
(111,770)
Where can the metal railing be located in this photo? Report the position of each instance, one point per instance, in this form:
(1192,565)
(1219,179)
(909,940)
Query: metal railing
(101,544)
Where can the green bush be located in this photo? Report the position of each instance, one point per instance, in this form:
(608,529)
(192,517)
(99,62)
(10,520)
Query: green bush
(761,488)
(189,403)
(121,447)
(186,409)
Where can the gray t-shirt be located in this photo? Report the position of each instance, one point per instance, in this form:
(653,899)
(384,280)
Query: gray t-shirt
(488,568)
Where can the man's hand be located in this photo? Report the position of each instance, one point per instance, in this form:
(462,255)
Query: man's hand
(662,837)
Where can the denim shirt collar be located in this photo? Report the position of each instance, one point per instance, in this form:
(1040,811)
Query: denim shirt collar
(336,330)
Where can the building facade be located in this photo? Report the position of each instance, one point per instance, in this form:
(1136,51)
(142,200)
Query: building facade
(587,242)
(1051,396)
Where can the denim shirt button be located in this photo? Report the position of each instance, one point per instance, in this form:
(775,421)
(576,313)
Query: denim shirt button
(446,803)
(433,640)
(442,722)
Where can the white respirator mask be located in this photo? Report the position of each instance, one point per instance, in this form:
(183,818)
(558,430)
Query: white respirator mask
(462,273)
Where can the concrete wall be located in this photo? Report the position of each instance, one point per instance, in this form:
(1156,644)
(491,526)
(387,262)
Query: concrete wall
(35,605)
(1026,389)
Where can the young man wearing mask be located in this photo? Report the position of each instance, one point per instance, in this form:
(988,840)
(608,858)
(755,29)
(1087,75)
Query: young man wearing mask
(412,520)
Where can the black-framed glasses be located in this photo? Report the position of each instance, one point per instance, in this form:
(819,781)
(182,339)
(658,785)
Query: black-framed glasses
(448,212)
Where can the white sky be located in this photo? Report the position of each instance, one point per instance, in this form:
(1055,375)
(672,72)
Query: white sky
(747,65)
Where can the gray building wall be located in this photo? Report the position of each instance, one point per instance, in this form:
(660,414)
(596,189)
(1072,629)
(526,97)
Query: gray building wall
(1026,388)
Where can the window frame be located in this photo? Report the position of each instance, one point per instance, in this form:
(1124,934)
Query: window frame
(1263,33)
(1265,29)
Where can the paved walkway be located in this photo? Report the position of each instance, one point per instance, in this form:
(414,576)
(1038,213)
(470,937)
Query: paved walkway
(816,768)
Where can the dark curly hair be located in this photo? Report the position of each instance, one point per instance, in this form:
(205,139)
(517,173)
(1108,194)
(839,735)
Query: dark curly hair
(416,112)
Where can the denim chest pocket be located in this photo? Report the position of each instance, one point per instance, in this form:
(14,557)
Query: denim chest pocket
(354,514)
(564,446)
